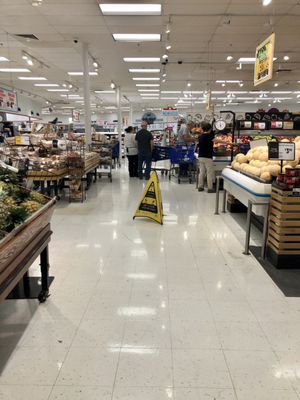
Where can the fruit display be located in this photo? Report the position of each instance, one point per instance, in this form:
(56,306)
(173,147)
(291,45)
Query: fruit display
(222,147)
(16,202)
(257,164)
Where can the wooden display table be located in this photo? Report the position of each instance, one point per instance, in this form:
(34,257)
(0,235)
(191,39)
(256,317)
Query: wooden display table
(20,248)
(283,245)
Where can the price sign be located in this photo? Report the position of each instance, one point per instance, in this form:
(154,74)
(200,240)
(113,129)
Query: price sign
(282,151)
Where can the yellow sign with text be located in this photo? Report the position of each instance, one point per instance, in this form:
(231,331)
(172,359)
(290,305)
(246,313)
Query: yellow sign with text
(150,205)
(264,59)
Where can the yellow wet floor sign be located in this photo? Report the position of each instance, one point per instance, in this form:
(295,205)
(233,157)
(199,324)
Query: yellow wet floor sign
(150,205)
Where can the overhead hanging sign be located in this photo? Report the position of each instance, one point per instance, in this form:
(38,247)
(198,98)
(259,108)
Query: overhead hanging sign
(150,205)
(75,116)
(8,100)
(264,58)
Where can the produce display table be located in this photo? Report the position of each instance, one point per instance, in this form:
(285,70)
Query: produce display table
(244,188)
(20,248)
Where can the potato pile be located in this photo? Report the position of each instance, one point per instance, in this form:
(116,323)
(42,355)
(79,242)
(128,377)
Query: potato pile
(256,163)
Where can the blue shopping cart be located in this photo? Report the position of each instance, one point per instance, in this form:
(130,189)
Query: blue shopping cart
(161,156)
(183,160)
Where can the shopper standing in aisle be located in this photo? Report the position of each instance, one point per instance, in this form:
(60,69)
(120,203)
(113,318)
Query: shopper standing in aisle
(184,133)
(205,160)
(144,140)
(131,152)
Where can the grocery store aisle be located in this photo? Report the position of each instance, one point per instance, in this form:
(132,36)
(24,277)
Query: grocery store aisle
(140,311)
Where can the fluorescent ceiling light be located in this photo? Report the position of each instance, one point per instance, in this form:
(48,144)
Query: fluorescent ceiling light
(236,92)
(148,90)
(32,78)
(105,91)
(141,59)
(137,37)
(3,59)
(169,98)
(249,60)
(218,92)
(14,70)
(130,9)
(266,2)
(150,98)
(110,108)
(81,73)
(57,90)
(171,92)
(147,85)
(146,79)
(192,92)
(149,94)
(282,92)
(46,84)
(144,70)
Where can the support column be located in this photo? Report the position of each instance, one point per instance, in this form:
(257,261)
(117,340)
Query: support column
(131,114)
(87,94)
(119,121)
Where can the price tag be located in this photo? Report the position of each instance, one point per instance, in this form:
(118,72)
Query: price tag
(282,151)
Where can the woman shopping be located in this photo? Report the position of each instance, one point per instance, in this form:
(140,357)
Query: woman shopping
(131,152)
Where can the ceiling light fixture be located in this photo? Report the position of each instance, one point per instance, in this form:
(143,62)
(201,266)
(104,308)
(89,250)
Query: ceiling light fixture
(141,59)
(14,70)
(130,9)
(276,84)
(148,90)
(229,58)
(165,56)
(36,3)
(286,58)
(147,85)
(46,84)
(168,46)
(29,61)
(144,70)
(168,29)
(32,78)
(112,85)
(105,91)
(95,64)
(81,73)
(163,81)
(189,84)
(146,79)
(266,2)
(137,37)
(58,90)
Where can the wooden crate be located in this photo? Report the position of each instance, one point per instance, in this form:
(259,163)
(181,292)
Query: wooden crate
(284,223)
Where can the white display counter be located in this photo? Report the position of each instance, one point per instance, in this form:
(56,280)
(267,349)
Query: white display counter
(244,188)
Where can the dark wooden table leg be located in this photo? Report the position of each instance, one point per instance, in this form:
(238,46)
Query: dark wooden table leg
(45,275)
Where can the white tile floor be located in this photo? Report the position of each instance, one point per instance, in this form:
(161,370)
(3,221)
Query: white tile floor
(140,311)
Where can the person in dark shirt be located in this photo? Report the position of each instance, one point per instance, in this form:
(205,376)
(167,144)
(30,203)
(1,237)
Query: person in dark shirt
(144,140)
(205,160)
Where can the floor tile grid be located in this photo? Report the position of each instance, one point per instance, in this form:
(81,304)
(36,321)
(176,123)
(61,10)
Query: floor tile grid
(262,329)
(76,331)
(115,387)
(215,324)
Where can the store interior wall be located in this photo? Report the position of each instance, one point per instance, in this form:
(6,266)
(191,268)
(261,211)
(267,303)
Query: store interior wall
(137,115)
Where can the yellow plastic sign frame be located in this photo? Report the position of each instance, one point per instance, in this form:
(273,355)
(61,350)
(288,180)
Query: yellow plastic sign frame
(264,60)
(150,205)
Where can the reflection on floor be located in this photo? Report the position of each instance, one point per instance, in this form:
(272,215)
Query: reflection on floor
(140,311)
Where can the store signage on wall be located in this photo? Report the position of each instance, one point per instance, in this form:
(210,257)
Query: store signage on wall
(75,116)
(281,151)
(170,112)
(8,100)
(264,58)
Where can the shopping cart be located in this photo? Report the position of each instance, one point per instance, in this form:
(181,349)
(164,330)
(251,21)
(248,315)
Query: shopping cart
(161,160)
(183,160)
(116,154)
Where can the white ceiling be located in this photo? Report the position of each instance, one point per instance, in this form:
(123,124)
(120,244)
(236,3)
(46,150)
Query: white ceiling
(203,34)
